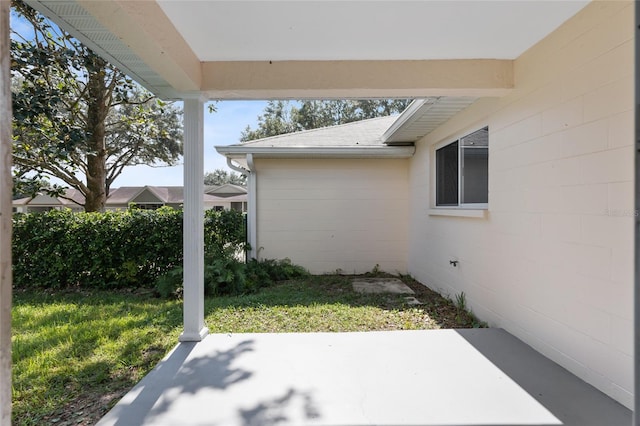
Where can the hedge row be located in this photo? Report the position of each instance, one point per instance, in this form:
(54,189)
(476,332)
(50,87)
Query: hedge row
(120,249)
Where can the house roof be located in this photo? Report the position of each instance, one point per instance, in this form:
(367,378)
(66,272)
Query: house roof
(363,133)
(21,201)
(168,194)
(72,198)
(164,194)
(128,194)
(360,139)
(265,49)
(227,188)
(47,200)
(124,194)
(390,135)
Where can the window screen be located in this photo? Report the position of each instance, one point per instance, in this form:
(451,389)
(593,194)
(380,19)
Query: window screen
(462,170)
(447,175)
(475,167)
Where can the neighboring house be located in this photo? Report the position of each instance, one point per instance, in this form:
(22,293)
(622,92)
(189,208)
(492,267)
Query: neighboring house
(43,202)
(523,202)
(227,196)
(224,197)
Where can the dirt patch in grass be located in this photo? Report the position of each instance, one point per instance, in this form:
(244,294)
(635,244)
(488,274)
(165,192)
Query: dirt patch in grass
(438,311)
(444,311)
(85,410)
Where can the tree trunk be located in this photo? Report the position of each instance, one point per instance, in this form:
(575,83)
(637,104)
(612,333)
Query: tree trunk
(96,158)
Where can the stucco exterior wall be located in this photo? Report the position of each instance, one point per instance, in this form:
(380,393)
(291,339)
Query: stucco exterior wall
(327,214)
(552,261)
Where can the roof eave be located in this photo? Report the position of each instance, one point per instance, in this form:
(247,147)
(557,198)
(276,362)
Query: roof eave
(423,116)
(404,119)
(234,151)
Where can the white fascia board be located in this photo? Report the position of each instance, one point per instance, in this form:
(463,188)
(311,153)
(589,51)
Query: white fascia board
(407,117)
(317,152)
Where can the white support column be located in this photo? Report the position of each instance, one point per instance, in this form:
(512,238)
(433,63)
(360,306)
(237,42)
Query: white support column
(5,216)
(636,252)
(194,328)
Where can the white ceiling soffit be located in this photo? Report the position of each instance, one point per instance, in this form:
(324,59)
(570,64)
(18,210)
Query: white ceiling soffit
(219,32)
(243,30)
(78,22)
(423,116)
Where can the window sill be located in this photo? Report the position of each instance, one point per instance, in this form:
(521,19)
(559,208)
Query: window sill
(474,213)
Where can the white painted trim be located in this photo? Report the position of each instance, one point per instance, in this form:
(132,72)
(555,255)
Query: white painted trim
(252,208)
(251,201)
(238,169)
(457,212)
(193,240)
(459,135)
(407,117)
(318,152)
(456,137)
(193,337)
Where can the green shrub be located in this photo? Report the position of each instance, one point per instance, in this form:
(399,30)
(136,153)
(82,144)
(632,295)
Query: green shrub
(169,285)
(266,271)
(224,232)
(130,248)
(225,275)
(222,276)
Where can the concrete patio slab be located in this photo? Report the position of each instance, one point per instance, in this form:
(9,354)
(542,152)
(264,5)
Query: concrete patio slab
(436,377)
(381,285)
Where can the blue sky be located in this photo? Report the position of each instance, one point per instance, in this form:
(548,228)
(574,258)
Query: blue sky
(222,127)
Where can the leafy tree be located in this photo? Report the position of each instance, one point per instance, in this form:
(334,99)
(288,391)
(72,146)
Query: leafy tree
(220,177)
(78,118)
(280,117)
(276,119)
(29,186)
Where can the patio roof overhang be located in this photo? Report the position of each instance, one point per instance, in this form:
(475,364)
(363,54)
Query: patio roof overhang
(282,49)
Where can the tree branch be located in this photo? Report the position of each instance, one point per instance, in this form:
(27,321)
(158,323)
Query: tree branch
(64,175)
(129,102)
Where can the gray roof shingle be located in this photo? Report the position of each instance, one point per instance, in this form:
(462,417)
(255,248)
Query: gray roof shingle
(359,133)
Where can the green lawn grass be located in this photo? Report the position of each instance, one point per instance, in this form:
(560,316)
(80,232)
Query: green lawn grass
(73,352)
(76,353)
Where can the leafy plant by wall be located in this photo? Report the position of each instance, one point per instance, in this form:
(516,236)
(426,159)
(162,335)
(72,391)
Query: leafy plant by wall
(225,275)
(121,249)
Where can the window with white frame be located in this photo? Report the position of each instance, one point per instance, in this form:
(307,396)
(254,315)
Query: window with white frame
(462,171)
